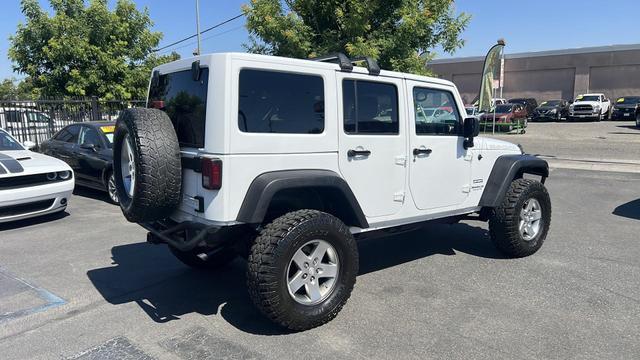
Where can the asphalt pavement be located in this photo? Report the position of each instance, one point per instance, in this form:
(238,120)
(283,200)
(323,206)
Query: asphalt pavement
(85,285)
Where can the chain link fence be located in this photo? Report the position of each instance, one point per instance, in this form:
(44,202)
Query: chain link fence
(38,120)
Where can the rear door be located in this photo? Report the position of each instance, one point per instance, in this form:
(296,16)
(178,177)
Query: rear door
(372,141)
(440,167)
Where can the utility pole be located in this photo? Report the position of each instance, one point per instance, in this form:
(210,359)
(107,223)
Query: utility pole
(198,24)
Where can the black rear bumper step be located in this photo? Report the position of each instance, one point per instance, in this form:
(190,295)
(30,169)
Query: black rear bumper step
(184,236)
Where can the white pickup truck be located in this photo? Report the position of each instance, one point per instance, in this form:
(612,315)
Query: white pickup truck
(590,107)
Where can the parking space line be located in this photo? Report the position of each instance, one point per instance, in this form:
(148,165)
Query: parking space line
(50,300)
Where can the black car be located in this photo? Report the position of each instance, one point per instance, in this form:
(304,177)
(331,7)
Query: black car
(551,110)
(625,108)
(87,148)
(530,104)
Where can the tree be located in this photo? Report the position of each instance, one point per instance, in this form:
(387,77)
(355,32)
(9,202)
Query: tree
(399,33)
(24,90)
(86,49)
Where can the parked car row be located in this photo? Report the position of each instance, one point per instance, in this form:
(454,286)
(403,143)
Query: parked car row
(591,107)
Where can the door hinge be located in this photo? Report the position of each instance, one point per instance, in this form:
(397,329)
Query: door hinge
(398,197)
(466,189)
(401,160)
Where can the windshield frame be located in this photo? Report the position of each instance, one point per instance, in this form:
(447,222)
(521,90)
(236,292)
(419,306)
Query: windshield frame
(585,98)
(19,145)
(636,100)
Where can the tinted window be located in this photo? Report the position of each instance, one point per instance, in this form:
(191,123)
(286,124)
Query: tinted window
(8,143)
(370,107)
(435,112)
(276,102)
(12,116)
(69,134)
(184,100)
(38,117)
(89,135)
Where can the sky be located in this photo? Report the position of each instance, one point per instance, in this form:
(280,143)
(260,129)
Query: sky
(526,25)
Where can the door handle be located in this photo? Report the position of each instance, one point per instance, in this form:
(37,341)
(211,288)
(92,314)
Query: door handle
(417,152)
(353,153)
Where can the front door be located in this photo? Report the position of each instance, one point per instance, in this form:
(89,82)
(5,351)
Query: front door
(373,141)
(440,167)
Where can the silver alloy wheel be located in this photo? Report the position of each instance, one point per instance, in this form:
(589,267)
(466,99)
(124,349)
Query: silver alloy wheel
(128,166)
(111,188)
(312,273)
(530,219)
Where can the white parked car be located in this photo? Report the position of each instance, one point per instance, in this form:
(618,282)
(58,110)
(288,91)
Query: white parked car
(287,162)
(590,107)
(31,184)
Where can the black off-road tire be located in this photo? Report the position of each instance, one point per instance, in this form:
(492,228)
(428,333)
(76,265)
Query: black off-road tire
(214,261)
(505,219)
(269,261)
(158,170)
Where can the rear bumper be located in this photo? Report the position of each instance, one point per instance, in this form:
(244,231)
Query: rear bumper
(188,235)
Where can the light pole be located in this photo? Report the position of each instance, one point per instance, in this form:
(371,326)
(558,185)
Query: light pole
(198,24)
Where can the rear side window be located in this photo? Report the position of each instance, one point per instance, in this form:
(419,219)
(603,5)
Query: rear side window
(69,134)
(370,107)
(278,102)
(185,101)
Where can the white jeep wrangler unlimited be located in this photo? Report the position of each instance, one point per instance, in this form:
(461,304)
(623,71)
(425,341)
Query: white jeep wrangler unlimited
(288,161)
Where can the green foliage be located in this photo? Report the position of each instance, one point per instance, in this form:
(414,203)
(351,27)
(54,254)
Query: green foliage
(84,49)
(12,89)
(399,33)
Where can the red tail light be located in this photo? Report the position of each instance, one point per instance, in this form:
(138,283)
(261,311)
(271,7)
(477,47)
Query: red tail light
(211,173)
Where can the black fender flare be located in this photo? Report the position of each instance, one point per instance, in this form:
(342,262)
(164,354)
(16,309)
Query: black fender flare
(263,188)
(506,169)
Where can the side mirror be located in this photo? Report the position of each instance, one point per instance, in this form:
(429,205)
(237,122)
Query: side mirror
(88,146)
(29,144)
(470,129)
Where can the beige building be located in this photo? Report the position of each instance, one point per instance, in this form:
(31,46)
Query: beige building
(612,70)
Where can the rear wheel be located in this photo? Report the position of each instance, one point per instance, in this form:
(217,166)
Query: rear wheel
(519,226)
(302,268)
(638,120)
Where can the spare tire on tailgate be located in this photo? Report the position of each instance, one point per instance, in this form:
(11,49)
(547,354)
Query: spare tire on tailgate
(146,163)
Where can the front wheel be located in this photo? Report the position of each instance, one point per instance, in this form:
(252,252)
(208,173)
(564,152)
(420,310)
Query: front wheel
(519,226)
(638,120)
(302,268)
(111,189)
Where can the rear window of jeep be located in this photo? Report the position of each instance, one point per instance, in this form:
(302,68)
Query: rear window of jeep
(185,102)
(279,102)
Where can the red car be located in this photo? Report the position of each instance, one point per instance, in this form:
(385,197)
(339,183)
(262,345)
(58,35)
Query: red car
(506,114)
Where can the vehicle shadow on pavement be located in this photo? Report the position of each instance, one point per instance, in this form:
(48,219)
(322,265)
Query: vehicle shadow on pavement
(33,221)
(629,210)
(166,290)
(90,193)
(384,252)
